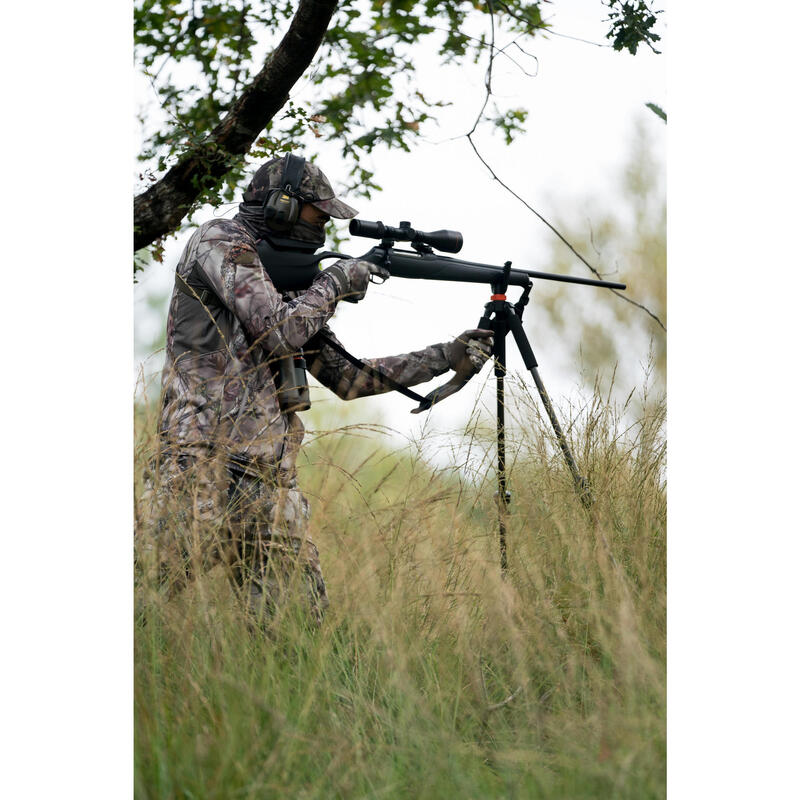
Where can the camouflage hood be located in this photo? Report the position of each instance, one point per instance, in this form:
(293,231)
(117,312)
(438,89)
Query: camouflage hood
(314,187)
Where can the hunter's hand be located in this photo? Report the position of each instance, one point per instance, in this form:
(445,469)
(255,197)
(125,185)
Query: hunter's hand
(469,352)
(352,276)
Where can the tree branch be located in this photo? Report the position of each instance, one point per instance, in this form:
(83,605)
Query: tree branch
(160,208)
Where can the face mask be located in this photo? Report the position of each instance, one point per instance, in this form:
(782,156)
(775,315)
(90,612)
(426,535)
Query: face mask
(306,232)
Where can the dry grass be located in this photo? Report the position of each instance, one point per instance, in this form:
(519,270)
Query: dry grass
(432,675)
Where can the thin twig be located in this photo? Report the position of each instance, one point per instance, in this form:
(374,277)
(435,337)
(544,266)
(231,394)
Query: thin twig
(557,233)
(500,50)
(488,78)
(574,38)
(547,29)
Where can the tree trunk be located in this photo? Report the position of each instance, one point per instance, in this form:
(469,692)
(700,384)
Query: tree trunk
(160,208)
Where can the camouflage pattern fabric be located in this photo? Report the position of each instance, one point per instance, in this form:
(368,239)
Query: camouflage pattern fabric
(278,560)
(343,378)
(205,514)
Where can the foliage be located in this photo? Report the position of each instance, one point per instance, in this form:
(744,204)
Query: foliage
(631,24)
(364,89)
(141,258)
(657,110)
(431,676)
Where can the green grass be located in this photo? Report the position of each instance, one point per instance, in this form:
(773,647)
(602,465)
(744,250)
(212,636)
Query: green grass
(404,692)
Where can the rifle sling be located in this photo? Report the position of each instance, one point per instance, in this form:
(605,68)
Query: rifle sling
(375,373)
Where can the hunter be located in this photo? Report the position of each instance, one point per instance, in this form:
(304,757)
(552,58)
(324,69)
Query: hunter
(229,427)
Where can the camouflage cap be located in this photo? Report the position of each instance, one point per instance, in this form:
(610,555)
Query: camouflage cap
(315,188)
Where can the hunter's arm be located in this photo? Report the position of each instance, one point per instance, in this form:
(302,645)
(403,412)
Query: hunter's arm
(230,264)
(336,373)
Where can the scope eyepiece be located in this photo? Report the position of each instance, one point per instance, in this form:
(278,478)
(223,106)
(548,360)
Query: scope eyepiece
(370,230)
(447,241)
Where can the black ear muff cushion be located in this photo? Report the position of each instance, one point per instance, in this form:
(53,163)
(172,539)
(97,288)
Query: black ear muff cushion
(281,207)
(281,210)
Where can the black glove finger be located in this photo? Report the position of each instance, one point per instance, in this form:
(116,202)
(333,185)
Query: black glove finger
(477,333)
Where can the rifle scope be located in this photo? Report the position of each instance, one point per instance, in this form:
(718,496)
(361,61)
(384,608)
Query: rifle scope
(447,241)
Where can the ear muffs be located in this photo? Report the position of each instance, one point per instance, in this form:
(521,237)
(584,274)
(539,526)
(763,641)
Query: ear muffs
(282,205)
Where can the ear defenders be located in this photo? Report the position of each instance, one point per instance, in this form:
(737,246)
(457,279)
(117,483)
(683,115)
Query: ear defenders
(282,205)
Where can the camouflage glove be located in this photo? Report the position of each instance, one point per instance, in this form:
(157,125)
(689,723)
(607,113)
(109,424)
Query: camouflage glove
(351,276)
(469,352)
(466,355)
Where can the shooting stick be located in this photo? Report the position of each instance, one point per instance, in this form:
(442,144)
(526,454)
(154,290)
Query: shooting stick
(501,317)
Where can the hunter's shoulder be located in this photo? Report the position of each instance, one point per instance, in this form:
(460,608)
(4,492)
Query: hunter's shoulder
(225,231)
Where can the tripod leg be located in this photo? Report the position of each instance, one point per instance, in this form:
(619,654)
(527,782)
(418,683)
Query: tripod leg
(502,496)
(581,484)
(500,330)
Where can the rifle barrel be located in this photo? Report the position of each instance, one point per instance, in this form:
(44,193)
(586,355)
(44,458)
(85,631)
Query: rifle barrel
(551,276)
(431,266)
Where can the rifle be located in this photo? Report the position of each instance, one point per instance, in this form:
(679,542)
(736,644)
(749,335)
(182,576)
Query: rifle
(291,268)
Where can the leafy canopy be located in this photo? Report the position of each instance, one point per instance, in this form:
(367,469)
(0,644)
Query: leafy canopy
(364,86)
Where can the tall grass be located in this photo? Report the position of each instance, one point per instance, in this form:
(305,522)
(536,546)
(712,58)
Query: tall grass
(431,676)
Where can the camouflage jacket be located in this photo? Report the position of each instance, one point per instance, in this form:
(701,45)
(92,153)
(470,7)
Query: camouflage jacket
(224,333)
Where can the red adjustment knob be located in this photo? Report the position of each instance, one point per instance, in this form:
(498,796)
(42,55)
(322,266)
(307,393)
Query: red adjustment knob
(498,297)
